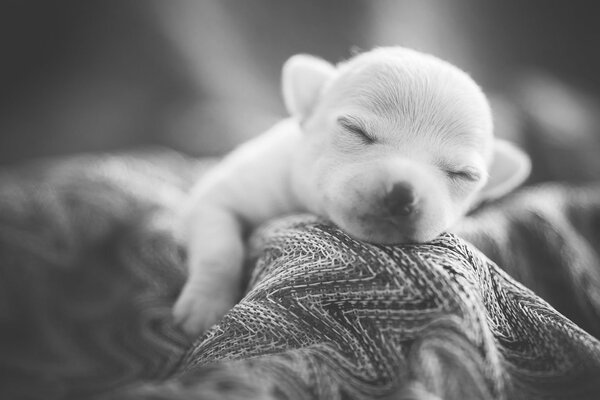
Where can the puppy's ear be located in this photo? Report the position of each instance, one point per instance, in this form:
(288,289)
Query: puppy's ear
(303,77)
(510,168)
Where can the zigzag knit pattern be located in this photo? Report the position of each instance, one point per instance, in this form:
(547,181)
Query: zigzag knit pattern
(344,319)
(90,271)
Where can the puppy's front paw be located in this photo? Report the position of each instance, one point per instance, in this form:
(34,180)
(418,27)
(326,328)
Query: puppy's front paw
(195,311)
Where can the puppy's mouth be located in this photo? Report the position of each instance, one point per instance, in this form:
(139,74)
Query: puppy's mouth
(383,229)
(397,215)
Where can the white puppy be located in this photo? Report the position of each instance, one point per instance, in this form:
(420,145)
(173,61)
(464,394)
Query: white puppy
(392,146)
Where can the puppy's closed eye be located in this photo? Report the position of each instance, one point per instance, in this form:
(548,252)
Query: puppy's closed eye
(353,126)
(467,174)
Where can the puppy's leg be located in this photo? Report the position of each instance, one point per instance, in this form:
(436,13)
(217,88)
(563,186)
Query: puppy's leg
(250,186)
(215,259)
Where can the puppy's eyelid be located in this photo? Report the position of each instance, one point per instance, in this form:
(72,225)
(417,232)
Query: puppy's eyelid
(352,125)
(466,173)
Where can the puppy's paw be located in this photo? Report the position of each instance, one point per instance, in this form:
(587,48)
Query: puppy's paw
(195,312)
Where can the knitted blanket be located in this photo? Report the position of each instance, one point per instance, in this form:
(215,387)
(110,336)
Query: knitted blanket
(89,271)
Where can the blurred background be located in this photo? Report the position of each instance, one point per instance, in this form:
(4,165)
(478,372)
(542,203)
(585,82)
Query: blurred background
(202,76)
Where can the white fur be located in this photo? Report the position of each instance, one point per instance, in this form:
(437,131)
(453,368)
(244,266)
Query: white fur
(428,118)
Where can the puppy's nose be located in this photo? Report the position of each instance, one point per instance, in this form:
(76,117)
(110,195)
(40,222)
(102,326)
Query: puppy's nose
(401,199)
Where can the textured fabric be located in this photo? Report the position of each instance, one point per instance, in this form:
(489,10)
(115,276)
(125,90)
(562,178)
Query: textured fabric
(89,270)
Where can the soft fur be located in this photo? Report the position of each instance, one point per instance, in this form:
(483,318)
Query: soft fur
(388,118)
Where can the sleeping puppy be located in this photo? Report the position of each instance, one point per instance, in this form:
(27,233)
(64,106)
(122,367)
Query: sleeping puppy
(393,146)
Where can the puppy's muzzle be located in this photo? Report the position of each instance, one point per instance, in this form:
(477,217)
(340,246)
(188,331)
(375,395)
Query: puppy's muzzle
(401,200)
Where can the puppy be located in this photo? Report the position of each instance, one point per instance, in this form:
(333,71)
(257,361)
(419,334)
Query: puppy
(392,146)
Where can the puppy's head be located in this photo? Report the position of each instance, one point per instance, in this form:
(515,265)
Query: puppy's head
(398,144)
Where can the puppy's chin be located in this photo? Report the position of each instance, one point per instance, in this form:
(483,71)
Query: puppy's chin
(385,231)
